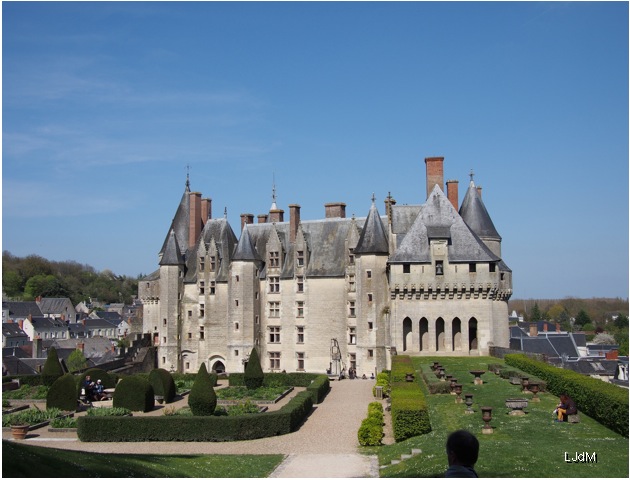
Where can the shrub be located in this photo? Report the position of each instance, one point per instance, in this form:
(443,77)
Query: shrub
(63,394)
(605,402)
(371,430)
(319,388)
(410,415)
(163,384)
(134,393)
(63,422)
(382,380)
(202,399)
(254,376)
(52,368)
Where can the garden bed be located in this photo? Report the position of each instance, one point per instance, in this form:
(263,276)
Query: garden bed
(261,396)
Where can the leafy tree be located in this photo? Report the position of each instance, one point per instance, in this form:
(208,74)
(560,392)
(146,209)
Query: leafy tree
(535,314)
(12,284)
(254,376)
(556,311)
(52,368)
(620,322)
(603,339)
(45,286)
(76,361)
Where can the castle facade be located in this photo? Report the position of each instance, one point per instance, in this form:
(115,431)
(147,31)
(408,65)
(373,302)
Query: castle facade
(329,294)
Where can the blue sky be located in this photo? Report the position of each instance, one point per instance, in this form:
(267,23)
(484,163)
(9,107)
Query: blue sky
(105,104)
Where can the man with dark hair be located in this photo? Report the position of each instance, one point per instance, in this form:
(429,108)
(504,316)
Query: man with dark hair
(462,450)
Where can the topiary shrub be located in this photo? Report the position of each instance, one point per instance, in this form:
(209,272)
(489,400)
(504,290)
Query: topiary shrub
(202,400)
(254,376)
(52,368)
(163,384)
(134,393)
(63,394)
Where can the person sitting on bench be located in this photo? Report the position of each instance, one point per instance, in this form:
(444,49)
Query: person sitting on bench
(567,407)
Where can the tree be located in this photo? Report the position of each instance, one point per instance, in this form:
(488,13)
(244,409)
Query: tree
(12,284)
(44,286)
(254,376)
(582,318)
(620,322)
(52,368)
(555,312)
(603,339)
(76,361)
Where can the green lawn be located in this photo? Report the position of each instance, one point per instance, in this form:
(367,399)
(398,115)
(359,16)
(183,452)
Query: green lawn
(28,461)
(527,446)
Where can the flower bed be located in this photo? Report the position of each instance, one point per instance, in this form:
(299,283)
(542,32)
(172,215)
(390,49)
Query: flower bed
(262,395)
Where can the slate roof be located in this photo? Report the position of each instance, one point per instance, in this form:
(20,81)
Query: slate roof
(54,306)
(112,317)
(41,323)
(171,253)
(180,223)
(438,219)
(373,239)
(22,309)
(474,213)
(245,251)
(18,366)
(12,330)
(593,367)
(552,345)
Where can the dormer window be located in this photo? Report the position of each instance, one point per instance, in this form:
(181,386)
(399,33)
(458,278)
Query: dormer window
(202,264)
(274,259)
(300,258)
(351,256)
(439,267)
(274,284)
(213,264)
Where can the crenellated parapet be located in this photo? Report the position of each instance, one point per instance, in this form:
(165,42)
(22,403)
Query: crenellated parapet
(449,291)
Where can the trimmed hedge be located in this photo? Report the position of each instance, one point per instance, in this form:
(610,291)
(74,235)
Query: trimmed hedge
(371,430)
(410,414)
(163,384)
(202,398)
(605,402)
(175,428)
(382,380)
(63,394)
(254,375)
(134,393)
(30,380)
(317,384)
(52,368)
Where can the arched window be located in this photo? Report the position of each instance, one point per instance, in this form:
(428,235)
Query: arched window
(407,331)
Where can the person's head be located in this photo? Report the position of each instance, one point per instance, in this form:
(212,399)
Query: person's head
(99,381)
(462,448)
(563,397)
(87,377)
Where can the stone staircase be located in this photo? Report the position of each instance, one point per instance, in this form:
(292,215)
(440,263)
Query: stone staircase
(404,456)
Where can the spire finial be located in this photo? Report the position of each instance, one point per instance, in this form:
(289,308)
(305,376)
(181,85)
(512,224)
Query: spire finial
(225,212)
(373,198)
(273,194)
(188,175)
(472,174)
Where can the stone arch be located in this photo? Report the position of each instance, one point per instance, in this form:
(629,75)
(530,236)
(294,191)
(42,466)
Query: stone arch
(423,334)
(217,364)
(457,334)
(473,342)
(440,335)
(407,332)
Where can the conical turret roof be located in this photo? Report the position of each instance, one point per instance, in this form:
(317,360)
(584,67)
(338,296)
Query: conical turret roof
(474,213)
(373,238)
(245,250)
(171,254)
(181,222)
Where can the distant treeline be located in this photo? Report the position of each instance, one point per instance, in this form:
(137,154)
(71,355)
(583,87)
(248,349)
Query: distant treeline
(599,310)
(26,278)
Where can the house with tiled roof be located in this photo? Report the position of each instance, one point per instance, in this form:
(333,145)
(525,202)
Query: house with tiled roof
(426,279)
(59,308)
(13,335)
(45,328)
(16,311)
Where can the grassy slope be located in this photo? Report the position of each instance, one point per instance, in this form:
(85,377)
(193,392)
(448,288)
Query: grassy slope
(20,460)
(527,446)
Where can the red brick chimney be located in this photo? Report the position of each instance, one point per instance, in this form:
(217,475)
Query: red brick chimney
(294,219)
(262,218)
(21,324)
(452,192)
(335,210)
(276,216)
(545,327)
(435,173)
(558,329)
(533,329)
(612,355)
(81,346)
(246,219)
(206,210)
(195,223)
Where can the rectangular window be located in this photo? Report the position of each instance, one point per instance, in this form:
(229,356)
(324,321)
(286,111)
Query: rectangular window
(369,295)
(352,285)
(353,360)
(300,360)
(274,309)
(370,326)
(368,273)
(274,284)
(406,268)
(274,360)
(213,288)
(189,335)
(353,336)
(300,258)
(493,267)
(300,284)
(300,309)
(472,267)
(352,309)
(202,310)
(439,267)
(213,263)
(274,259)
(164,322)
(202,264)
(187,365)
(202,333)
(202,288)
(300,334)
(274,334)
(236,303)
(370,353)
(351,256)
(189,313)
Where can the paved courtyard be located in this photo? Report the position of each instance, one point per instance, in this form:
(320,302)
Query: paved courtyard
(325,446)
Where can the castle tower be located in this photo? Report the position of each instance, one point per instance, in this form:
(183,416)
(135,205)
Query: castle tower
(474,213)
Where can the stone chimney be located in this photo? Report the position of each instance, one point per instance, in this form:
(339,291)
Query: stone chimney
(479,190)
(435,173)
(262,218)
(545,326)
(246,219)
(452,192)
(335,210)
(294,219)
(533,329)
(389,203)
(21,324)
(206,209)
(276,215)
(195,224)
(558,329)
(81,346)
(37,347)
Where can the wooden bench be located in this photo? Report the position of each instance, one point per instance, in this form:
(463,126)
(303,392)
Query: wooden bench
(574,418)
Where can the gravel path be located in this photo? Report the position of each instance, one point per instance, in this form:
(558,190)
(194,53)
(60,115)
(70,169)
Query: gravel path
(325,445)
